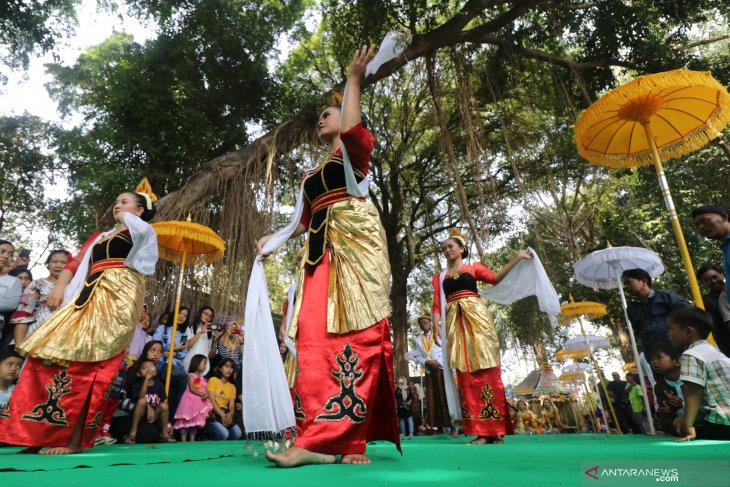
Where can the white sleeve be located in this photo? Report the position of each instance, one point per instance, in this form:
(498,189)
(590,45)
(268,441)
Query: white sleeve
(421,353)
(143,256)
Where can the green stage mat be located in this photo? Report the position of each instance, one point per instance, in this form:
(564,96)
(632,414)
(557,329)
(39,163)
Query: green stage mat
(541,460)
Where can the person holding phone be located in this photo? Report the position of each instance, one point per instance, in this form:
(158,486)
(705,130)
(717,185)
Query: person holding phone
(228,344)
(200,337)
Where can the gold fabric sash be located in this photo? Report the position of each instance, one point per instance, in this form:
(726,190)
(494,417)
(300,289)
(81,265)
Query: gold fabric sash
(472,338)
(99,330)
(358,294)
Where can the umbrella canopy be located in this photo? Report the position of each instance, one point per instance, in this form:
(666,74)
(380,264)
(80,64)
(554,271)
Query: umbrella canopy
(589,310)
(576,368)
(685,109)
(573,377)
(565,355)
(599,269)
(631,367)
(579,343)
(197,242)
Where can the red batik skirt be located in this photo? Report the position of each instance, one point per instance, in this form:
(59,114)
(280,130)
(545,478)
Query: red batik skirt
(48,401)
(483,403)
(344,390)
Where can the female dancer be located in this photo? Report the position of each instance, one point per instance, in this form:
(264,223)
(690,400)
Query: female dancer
(344,393)
(75,354)
(472,343)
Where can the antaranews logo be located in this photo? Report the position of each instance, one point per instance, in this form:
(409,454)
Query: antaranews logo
(635,473)
(592,472)
(657,474)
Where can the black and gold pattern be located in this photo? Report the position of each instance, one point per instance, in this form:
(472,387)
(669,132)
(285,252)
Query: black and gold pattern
(489,411)
(328,177)
(95,423)
(51,411)
(347,404)
(299,413)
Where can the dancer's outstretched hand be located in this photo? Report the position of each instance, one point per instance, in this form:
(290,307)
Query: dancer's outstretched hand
(359,62)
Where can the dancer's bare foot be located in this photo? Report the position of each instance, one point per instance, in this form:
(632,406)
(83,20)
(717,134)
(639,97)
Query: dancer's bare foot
(356,459)
(61,450)
(297,456)
(31,450)
(479,440)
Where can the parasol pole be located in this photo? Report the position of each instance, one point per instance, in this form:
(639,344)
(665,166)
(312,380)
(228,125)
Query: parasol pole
(174,324)
(596,424)
(669,203)
(600,378)
(634,349)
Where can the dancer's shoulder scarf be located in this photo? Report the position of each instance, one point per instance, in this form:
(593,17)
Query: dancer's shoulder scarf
(527,278)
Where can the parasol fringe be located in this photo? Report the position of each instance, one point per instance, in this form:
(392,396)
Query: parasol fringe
(657,82)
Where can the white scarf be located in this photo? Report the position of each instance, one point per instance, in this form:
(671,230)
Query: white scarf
(268,412)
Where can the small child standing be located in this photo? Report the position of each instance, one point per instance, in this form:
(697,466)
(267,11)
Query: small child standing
(636,399)
(194,405)
(149,395)
(705,373)
(10,365)
(664,359)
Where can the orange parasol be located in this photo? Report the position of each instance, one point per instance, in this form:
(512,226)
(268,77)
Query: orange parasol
(589,310)
(184,242)
(654,118)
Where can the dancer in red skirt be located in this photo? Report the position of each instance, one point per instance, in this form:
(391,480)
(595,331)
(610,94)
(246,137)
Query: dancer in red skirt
(344,390)
(75,354)
(472,346)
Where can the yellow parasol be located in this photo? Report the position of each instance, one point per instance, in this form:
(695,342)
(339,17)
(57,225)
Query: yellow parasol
(631,367)
(591,311)
(185,242)
(565,355)
(654,118)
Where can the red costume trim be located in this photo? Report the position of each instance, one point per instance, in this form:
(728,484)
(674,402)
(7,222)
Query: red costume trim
(484,407)
(47,402)
(344,390)
(107,264)
(461,294)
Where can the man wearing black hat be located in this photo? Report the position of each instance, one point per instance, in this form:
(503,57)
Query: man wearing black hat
(711,221)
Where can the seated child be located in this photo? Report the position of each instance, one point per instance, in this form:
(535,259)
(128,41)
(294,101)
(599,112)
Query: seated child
(10,365)
(706,376)
(194,406)
(149,395)
(664,359)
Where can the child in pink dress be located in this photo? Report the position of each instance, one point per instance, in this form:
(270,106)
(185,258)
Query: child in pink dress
(194,405)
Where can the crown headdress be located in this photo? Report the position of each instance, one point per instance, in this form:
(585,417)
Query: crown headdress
(457,235)
(145,190)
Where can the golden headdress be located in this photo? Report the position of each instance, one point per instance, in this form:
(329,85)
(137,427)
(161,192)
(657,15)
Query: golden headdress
(145,190)
(457,235)
(335,98)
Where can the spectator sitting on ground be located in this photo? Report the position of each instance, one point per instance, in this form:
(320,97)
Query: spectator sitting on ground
(10,364)
(222,395)
(149,395)
(10,292)
(664,359)
(33,309)
(25,276)
(705,372)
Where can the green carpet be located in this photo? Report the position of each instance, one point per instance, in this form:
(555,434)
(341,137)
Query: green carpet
(542,460)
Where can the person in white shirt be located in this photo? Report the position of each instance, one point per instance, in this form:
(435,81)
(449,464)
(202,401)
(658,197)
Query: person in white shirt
(10,292)
(429,356)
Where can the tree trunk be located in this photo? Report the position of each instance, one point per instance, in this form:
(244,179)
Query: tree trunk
(399,299)
(618,329)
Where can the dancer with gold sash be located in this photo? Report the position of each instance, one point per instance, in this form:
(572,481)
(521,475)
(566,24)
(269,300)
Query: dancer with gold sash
(74,355)
(471,343)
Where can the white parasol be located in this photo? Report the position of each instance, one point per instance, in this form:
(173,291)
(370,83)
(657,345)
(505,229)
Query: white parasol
(586,343)
(603,268)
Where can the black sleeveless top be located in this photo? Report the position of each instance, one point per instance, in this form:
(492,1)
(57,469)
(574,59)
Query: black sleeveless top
(114,247)
(323,187)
